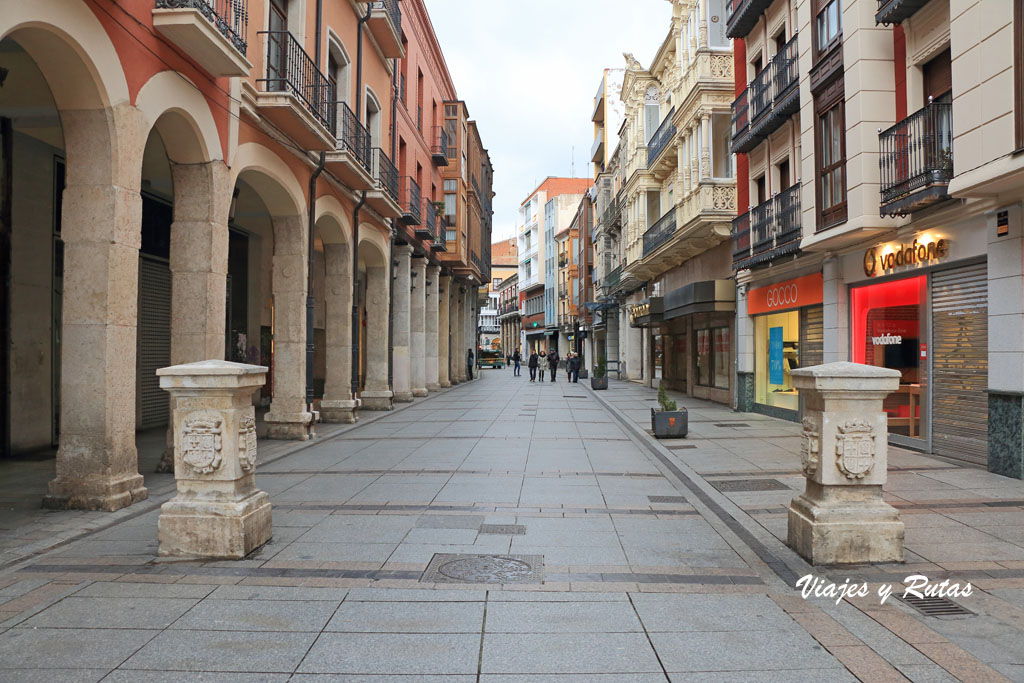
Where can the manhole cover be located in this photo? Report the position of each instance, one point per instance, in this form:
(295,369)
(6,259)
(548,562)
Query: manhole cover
(450,522)
(936,607)
(731,424)
(666,499)
(512,529)
(733,485)
(453,568)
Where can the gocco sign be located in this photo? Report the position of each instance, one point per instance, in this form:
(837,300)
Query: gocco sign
(802,291)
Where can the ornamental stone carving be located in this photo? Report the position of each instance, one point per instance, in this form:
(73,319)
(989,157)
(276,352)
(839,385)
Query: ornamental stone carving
(721,66)
(247,444)
(855,448)
(724,198)
(810,447)
(201,442)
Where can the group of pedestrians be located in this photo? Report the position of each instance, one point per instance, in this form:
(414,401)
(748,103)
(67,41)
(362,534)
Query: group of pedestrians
(539,361)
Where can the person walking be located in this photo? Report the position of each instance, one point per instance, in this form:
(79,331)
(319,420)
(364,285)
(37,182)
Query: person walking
(553,363)
(574,368)
(515,359)
(469,364)
(532,364)
(541,362)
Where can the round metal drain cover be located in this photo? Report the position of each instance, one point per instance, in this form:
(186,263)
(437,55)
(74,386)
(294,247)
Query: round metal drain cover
(486,569)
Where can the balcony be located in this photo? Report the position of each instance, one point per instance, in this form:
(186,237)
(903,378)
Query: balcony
(384,197)
(661,139)
(563,290)
(212,32)
(563,260)
(769,230)
(896,11)
(428,228)
(916,160)
(409,200)
(741,16)
(597,149)
(440,242)
(612,278)
(351,160)
(660,232)
(768,102)
(439,146)
(598,114)
(295,96)
(385,24)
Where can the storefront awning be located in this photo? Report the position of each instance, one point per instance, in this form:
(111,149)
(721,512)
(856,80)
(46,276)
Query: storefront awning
(706,296)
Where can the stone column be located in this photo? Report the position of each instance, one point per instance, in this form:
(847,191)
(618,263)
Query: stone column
(841,518)
(218,512)
(444,298)
(377,393)
(97,463)
(417,324)
(289,416)
(834,311)
(431,365)
(338,404)
(744,352)
(400,325)
(459,334)
(705,149)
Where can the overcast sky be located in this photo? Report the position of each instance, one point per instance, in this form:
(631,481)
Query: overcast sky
(528,71)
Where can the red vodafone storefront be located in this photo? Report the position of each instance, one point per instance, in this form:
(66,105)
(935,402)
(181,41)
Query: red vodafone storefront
(788,334)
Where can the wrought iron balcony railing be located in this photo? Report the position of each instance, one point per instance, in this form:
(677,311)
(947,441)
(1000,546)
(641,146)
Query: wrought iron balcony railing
(439,147)
(291,70)
(612,278)
(741,16)
(410,201)
(916,159)
(660,232)
(440,242)
(428,228)
(231,17)
(385,173)
(768,230)
(896,11)
(353,137)
(770,99)
(666,131)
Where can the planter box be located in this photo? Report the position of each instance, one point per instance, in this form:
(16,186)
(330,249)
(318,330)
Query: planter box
(598,382)
(669,424)
(583,373)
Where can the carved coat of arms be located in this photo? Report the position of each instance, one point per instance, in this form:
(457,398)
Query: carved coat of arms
(855,448)
(201,442)
(247,444)
(810,447)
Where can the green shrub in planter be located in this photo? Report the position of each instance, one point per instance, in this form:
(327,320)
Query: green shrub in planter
(600,378)
(669,422)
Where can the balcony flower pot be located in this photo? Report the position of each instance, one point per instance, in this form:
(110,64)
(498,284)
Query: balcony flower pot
(669,422)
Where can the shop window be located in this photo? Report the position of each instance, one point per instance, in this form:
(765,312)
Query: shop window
(713,356)
(888,331)
(776,354)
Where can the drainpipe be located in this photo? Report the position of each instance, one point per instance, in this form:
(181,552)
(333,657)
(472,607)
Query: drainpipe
(310,298)
(357,336)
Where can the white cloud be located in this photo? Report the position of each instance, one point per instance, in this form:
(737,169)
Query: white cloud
(528,71)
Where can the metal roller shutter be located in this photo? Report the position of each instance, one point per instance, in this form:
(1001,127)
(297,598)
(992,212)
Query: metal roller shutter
(154,340)
(812,336)
(960,363)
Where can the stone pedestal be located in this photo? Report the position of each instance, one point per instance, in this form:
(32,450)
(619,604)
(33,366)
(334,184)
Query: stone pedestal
(841,517)
(218,511)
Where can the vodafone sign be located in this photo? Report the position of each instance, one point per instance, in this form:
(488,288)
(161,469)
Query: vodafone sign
(782,296)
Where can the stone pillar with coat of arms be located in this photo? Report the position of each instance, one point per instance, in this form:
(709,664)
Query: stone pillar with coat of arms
(218,512)
(841,517)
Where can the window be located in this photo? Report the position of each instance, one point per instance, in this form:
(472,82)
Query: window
(828,25)
(831,153)
(496,282)
(653,208)
(338,71)
(373,118)
(721,143)
(450,203)
(652,119)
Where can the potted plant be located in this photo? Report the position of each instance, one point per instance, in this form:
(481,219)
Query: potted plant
(600,378)
(669,422)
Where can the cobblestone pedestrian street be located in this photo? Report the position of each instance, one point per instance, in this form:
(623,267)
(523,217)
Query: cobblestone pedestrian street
(504,531)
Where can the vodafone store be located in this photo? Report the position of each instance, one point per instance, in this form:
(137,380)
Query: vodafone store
(788,335)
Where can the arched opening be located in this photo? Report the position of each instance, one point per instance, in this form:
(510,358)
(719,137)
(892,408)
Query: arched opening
(373,285)
(339,70)
(333,316)
(373,118)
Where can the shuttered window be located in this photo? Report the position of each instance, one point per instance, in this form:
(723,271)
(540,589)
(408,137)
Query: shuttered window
(154,340)
(960,363)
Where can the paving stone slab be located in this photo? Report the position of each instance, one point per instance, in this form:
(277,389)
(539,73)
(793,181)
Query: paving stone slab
(137,676)
(393,653)
(592,653)
(415,595)
(52,675)
(562,617)
(239,592)
(222,651)
(258,615)
(127,589)
(449,522)
(408,617)
(127,613)
(39,648)
(754,651)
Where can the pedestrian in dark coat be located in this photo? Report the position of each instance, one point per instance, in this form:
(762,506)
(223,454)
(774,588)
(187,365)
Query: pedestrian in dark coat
(469,364)
(553,363)
(515,359)
(532,364)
